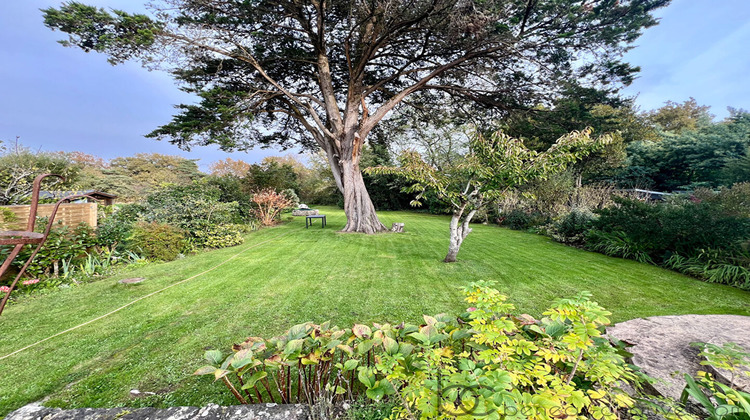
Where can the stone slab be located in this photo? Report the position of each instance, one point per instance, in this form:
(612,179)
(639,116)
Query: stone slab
(661,345)
(211,412)
(300,212)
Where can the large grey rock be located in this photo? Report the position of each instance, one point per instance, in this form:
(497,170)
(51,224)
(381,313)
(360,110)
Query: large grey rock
(661,345)
(211,412)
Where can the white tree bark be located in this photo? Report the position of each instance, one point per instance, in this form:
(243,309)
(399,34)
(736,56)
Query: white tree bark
(459,231)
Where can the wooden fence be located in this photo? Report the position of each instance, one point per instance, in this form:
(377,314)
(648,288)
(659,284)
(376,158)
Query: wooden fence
(70,214)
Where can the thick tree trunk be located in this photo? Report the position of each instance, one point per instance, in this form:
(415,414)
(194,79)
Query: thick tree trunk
(459,231)
(360,212)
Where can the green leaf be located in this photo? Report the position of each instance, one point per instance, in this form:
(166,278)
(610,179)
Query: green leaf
(298,331)
(437,338)
(214,356)
(536,329)
(252,380)
(695,391)
(466,364)
(390,345)
(555,329)
(350,364)
(205,370)
(364,346)
(293,346)
(242,358)
(375,393)
(405,349)
(578,399)
(366,377)
(460,334)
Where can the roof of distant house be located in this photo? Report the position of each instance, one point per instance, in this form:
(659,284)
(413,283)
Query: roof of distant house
(62,194)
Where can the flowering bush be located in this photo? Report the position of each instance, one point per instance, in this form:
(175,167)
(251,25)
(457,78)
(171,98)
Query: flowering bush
(269,204)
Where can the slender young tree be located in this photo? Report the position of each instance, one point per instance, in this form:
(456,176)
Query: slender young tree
(323,73)
(492,166)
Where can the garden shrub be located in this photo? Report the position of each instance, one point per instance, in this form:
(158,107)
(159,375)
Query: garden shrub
(191,207)
(219,236)
(64,246)
(158,241)
(292,196)
(617,244)
(114,229)
(683,228)
(720,400)
(715,267)
(195,209)
(519,219)
(231,190)
(572,228)
(7,219)
(707,239)
(734,201)
(489,362)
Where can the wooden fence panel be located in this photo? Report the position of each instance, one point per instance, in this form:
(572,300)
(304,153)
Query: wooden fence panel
(70,214)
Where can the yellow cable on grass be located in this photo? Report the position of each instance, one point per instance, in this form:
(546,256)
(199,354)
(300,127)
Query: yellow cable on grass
(141,298)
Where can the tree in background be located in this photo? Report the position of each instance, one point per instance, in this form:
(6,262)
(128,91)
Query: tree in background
(230,167)
(710,157)
(270,174)
(143,173)
(385,189)
(676,118)
(737,170)
(493,165)
(577,108)
(91,170)
(320,187)
(324,74)
(20,165)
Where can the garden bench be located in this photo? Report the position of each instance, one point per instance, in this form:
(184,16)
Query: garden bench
(309,221)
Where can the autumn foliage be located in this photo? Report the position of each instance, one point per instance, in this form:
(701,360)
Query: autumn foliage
(231,167)
(269,204)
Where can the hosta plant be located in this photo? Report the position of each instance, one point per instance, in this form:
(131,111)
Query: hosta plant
(490,362)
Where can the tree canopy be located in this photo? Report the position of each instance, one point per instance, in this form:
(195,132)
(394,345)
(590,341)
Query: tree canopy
(20,165)
(323,74)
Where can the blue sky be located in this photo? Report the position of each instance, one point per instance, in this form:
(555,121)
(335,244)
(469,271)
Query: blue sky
(57,98)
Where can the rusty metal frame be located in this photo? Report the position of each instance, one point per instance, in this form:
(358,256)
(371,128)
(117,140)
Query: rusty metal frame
(21,238)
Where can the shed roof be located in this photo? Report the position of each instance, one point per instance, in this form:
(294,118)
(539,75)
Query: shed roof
(99,195)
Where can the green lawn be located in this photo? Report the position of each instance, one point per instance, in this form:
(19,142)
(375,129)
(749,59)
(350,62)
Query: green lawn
(289,275)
